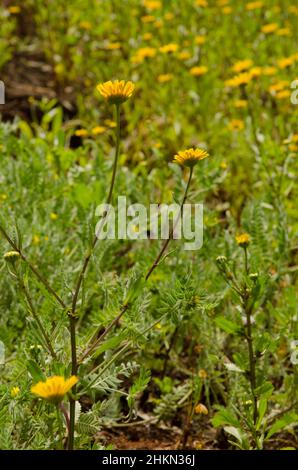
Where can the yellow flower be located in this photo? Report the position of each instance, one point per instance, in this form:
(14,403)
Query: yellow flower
(190,157)
(152,4)
(116,92)
(255,71)
(36,239)
(110,123)
(54,216)
(143,53)
(223,165)
(253,5)
(241,79)
(201,409)
(240,104)
(286,62)
(269,28)
(54,388)
(148,19)
(283,94)
(203,374)
(243,239)
(112,46)
(85,25)
(81,132)
(98,130)
(14,9)
(197,71)
(147,36)
(284,32)
(227,10)
(202,3)
(164,78)
(269,70)
(242,65)
(14,392)
(236,125)
(278,86)
(167,48)
(184,55)
(169,16)
(199,40)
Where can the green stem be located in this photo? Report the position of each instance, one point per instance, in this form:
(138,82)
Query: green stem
(36,318)
(60,427)
(166,243)
(252,360)
(72,313)
(246,260)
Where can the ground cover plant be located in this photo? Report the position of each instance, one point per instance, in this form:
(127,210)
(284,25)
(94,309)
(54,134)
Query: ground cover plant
(138,342)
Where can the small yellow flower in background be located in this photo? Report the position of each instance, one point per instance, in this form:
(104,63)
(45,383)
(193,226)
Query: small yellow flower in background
(184,55)
(223,165)
(169,16)
(293,148)
(14,9)
(190,157)
(152,4)
(278,86)
(158,24)
(147,36)
(282,95)
(165,78)
(14,392)
(168,48)
(36,239)
(98,130)
(116,92)
(54,216)
(85,25)
(201,409)
(254,5)
(3,197)
(112,46)
(199,40)
(269,70)
(255,72)
(222,3)
(227,10)
(269,28)
(240,104)
(54,388)
(12,256)
(243,239)
(203,374)
(293,9)
(286,62)
(198,71)
(242,65)
(148,19)
(284,32)
(202,3)
(236,125)
(142,54)
(81,132)
(110,123)
(241,79)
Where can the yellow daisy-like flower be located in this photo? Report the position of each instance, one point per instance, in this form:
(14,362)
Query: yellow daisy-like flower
(254,5)
(198,70)
(11,256)
(98,130)
(54,388)
(243,239)
(116,92)
(14,392)
(269,28)
(190,157)
(242,65)
(165,77)
(168,48)
(241,79)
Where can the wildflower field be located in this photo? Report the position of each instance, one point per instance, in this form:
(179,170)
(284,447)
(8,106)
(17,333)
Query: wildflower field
(113,336)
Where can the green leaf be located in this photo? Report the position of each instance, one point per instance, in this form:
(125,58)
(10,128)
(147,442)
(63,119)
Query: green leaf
(35,371)
(227,325)
(262,410)
(223,417)
(265,390)
(287,420)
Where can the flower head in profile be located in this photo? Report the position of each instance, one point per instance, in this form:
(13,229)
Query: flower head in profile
(54,388)
(11,256)
(201,409)
(243,239)
(14,392)
(190,157)
(116,92)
